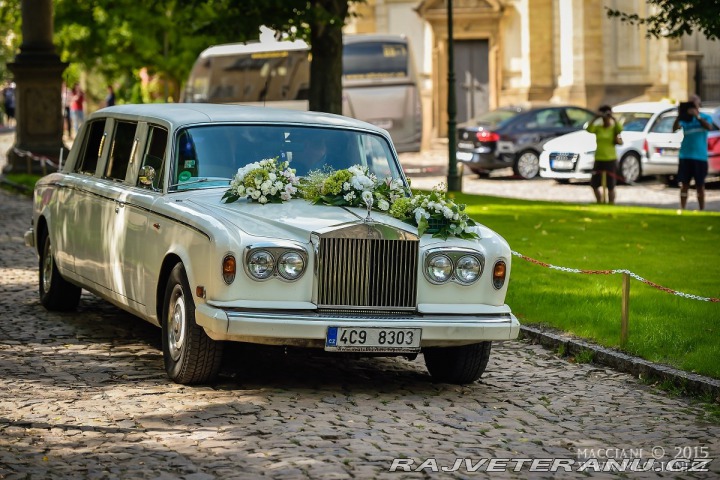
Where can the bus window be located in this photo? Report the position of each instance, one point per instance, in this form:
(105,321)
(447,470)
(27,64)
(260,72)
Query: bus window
(374,60)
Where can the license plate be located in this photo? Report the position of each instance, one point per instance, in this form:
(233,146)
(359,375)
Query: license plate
(373,339)
(562,164)
(465,156)
(669,152)
(469,145)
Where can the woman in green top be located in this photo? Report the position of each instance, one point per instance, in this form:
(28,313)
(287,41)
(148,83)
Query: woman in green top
(607,135)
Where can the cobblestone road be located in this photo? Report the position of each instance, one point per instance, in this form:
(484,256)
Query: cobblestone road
(84,395)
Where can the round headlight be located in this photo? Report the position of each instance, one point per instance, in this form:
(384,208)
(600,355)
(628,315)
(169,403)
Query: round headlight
(261,264)
(291,265)
(468,269)
(439,268)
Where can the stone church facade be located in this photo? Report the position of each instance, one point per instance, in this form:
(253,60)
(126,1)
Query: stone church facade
(541,51)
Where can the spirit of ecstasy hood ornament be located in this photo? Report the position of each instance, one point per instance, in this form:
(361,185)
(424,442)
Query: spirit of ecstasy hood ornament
(368,199)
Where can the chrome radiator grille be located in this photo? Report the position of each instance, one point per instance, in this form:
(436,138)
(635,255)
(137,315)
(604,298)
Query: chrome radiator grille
(372,273)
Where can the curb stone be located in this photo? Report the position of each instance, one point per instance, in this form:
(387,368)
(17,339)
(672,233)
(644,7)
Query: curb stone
(686,381)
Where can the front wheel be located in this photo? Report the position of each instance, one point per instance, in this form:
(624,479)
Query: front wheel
(458,365)
(56,293)
(190,355)
(630,168)
(527,165)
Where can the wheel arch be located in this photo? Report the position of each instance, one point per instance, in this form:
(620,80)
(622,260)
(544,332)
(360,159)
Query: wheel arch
(168,264)
(41,230)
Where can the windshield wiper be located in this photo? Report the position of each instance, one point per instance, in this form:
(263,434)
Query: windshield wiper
(202,180)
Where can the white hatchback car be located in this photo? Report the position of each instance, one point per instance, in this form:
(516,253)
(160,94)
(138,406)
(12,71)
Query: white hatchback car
(149,214)
(571,156)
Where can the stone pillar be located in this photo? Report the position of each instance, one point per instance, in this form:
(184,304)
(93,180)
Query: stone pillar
(682,69)
(37,71)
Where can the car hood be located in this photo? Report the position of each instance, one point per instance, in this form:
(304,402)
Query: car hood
(580,142)
(293,220)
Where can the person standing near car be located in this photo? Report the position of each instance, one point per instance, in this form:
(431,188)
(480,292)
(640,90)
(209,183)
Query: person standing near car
(77,107)
(693,161)
(607,135)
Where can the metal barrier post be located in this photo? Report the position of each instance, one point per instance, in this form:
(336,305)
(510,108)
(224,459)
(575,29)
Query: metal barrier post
(604,187)
(625,316)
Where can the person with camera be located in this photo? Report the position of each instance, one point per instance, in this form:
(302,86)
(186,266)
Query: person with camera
(693,161)
(607,135)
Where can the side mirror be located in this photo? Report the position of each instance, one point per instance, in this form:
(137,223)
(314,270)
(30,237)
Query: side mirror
(147,176)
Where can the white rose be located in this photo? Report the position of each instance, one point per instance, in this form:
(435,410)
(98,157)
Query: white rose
(284,196)
(256,194)
(272,176)
(367,196)
(349,197)
(263,199)
(383,205)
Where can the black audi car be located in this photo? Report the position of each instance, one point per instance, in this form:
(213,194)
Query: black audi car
(514,136)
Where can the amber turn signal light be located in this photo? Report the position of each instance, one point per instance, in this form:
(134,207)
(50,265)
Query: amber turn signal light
(499,272)
(229,268)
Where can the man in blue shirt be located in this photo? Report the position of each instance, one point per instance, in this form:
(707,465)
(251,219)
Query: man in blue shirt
(693,162)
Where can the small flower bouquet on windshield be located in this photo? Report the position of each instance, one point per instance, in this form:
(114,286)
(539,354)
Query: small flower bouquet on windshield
(353,187)
(266,181)
(433,213)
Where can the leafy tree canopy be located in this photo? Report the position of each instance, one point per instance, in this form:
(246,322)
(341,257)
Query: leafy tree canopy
(675,18)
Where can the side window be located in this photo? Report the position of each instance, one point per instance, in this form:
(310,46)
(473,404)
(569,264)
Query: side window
(542,120)
(664,124)
(120,151)
(154,157)
(92,148)
(577,117)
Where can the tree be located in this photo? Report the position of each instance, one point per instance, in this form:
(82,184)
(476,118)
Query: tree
(318,22)
(9,35)
(675,18)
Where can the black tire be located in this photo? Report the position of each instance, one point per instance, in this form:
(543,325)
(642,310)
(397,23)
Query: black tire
(630,168)
(527,164)
(458,365)
(56,293)
(191,357)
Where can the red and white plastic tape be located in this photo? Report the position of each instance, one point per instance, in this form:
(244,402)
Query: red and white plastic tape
(613,272)
(38,158)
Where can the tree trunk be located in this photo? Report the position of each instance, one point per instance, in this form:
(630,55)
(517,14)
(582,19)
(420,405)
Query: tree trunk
(326,50)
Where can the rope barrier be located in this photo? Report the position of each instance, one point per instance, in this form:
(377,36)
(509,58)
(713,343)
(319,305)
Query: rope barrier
(614,272)
(38,158)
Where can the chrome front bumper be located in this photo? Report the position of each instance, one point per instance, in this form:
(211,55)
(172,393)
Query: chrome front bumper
(309,329)
(29,238)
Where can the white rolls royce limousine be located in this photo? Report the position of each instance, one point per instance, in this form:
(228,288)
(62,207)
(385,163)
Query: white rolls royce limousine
(223,223)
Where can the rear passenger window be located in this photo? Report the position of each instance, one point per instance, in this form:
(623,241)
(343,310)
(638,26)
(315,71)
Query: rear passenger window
(154,157)
(92,148)
(664,124)
(120,151)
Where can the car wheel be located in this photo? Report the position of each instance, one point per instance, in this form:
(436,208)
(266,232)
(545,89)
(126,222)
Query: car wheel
(56,293)
(190,355)
(458,365)
(630,168)
(527,165)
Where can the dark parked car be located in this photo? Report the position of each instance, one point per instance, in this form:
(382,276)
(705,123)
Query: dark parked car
(514,137)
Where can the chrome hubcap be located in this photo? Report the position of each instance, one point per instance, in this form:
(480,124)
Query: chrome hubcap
(528,165)
(47,267)
(631,169)
(176,323)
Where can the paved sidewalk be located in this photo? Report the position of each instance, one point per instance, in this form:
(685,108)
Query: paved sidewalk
(84,395)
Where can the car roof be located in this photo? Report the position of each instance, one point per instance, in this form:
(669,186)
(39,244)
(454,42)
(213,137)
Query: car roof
(645,107)
(182,114)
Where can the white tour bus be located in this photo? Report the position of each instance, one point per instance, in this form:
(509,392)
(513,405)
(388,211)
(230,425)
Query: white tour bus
(379,81)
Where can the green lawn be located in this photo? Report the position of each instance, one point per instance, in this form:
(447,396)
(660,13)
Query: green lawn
(681,252)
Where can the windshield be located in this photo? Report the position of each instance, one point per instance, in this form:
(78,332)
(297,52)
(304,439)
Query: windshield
(208,156)
(495,119)
(633,121)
